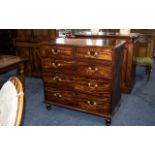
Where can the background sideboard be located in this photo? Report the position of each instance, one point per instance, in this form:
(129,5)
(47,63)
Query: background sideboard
(26,46)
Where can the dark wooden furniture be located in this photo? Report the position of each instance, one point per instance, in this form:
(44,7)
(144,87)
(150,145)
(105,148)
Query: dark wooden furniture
(83,74)
(6,42)
(29,50)
(13,62)
(26,46)
(149,33)
(128,67)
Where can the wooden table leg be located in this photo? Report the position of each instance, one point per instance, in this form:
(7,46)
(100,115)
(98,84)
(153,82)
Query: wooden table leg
(21,71)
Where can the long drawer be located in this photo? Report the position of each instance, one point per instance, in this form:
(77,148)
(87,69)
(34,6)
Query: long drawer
(92,69)
(96,87)
(78,100)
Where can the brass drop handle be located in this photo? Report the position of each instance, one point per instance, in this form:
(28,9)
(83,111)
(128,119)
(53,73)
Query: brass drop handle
(57,78)
(55,51)
(92,85)
(91,102)
(93,69)
(56,65)
(92,53)
(57,95)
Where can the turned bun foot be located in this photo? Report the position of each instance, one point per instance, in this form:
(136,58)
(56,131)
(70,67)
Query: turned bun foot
(48,106)
(108,122)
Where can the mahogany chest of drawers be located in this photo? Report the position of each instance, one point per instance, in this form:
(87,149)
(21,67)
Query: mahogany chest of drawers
(83,74)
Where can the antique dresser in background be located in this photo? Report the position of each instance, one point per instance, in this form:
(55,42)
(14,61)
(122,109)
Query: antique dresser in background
(26,43)
(6,41)
(83,74)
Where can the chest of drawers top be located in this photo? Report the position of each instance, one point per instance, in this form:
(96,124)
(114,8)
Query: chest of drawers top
(104,43)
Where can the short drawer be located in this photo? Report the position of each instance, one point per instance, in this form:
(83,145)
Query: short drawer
(94,53)
(93,104)
(95,87)
(92,69)
(63,97)
(52,65)
(56,52)
(56,80)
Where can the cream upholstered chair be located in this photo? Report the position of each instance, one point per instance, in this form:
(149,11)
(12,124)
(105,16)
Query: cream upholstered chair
(143,55)
(11,102)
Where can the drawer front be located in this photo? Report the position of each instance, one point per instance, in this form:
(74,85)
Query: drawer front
(94,70)
(62,81)
(94,104)
(93,87)
(95,53)
(52,65)
(63,97)
(57,52)
(83,85)
(78,101)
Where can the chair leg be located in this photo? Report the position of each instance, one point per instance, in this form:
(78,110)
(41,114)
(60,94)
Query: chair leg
(146,71)
(149,69)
